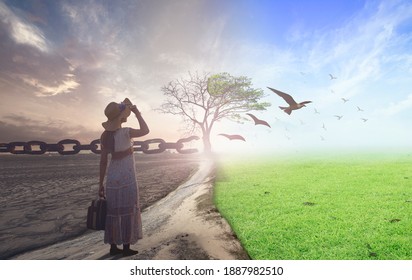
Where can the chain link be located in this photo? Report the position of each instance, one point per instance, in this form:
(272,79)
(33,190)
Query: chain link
(72,147)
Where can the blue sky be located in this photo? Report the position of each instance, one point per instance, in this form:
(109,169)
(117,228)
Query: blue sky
(63,61)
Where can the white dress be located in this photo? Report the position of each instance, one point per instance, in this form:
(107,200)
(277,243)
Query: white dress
(123,221)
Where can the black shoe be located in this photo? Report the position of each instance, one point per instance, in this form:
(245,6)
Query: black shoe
(115,251)
(129,252)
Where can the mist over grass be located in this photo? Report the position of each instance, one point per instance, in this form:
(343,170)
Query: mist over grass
(335,206)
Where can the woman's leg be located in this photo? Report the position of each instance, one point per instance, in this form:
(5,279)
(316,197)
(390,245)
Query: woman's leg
(114,250)
(127,251)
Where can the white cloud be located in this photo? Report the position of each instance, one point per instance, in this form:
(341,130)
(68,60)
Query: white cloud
(85,11)
(86,16)
(21,31)
(356,49)
(64,86)
(398,107)
(367,50)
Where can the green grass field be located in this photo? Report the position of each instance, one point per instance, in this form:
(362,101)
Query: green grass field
(319,208)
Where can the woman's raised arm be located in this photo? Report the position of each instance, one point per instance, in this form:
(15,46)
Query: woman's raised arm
(144,129)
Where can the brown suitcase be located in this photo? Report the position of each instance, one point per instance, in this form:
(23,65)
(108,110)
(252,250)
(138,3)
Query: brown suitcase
(96,214)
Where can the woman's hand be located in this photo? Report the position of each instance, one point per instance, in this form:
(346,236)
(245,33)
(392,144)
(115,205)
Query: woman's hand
(134,109)
(101,191)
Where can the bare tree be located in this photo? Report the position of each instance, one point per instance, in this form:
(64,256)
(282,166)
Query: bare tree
(202,101)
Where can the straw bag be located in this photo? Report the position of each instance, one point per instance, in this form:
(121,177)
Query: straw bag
(96,214)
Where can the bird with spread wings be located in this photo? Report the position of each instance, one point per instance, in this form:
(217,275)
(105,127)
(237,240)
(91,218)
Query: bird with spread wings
(258,121)
(232,136)
(293,105)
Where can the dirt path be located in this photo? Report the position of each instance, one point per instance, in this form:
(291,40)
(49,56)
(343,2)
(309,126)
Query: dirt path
(183,225)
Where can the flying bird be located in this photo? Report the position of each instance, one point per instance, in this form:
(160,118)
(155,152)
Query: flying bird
(316,111)
(345,100)
(233,136)
(324,127)
(258,121)
(332,77)
(293,105)
(359,109)
(339,117)
(364,120)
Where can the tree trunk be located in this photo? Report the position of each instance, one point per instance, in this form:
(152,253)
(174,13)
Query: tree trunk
(207,146)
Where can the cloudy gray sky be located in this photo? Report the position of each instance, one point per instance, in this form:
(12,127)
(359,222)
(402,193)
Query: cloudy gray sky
(63,61)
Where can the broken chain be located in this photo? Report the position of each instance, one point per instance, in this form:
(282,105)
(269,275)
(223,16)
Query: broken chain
(72,146)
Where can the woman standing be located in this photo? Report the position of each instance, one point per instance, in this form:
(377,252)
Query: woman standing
(123,221)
